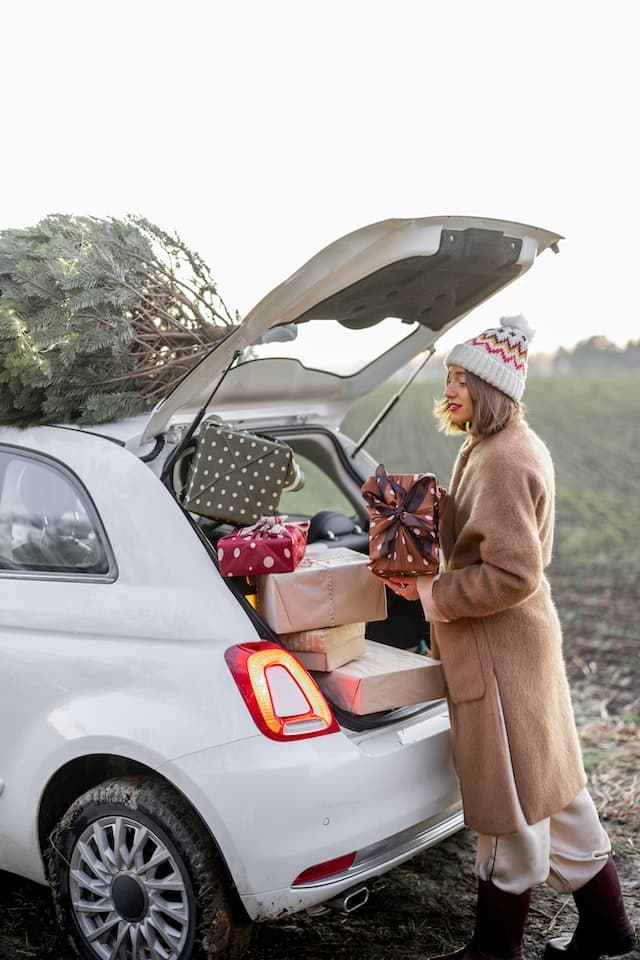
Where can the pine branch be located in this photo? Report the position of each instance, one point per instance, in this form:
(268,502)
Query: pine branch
(90,306)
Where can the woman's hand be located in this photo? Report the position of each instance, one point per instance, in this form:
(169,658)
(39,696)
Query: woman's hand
(417,588)
(406,587)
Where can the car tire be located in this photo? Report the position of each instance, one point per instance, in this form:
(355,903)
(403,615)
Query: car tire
(134,873)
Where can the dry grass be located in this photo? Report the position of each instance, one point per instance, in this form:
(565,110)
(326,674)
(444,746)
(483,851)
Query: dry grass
(614,776)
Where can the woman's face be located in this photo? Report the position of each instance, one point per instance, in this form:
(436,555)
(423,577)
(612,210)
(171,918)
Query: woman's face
(458,396)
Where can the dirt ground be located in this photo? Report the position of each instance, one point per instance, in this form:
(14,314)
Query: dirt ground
(426,906)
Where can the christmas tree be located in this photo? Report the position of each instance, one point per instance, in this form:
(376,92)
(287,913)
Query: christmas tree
(99,318)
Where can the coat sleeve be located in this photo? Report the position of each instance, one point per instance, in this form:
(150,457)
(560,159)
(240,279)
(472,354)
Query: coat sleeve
(508,498)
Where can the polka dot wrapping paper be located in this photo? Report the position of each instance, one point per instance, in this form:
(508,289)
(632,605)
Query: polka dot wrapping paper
(236,476)
(404,512)
(269,546)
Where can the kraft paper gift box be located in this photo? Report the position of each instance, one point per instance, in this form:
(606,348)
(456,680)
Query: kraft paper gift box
(382,679)
(323,591)
(328,647)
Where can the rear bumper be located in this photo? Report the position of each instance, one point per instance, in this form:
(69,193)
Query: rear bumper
(371,862)
(276,809)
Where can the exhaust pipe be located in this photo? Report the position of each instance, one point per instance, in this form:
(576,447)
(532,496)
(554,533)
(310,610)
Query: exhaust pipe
(350,900)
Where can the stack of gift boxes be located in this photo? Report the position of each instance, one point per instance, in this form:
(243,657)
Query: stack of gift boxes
(319,604)
(320,612)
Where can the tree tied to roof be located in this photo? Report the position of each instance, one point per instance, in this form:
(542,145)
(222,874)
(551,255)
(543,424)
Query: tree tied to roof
(99,318)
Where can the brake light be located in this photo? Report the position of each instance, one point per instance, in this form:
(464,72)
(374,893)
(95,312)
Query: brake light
(284,701)
(320,871)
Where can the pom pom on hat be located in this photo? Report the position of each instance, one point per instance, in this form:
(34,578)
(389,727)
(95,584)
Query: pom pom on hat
(519,323)
(497,355)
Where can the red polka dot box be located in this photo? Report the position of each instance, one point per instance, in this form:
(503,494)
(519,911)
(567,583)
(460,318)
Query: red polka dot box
(269,546)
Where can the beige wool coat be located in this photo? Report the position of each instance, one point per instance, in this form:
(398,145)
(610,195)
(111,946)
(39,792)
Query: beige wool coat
(503,642)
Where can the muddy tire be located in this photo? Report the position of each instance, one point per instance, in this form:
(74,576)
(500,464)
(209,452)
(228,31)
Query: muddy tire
(134,874)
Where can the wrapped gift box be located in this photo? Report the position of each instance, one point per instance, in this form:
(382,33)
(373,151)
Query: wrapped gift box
(404,511)
(382,679)
(235,475)
(328,647)
(269,546)
(323,591)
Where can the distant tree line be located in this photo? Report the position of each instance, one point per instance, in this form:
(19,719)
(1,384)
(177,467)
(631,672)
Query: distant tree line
(598,353)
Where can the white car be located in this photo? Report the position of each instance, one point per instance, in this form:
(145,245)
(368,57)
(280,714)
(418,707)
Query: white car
(140,775)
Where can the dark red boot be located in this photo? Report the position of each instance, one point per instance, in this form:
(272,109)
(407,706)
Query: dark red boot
(500,922)
(603,926)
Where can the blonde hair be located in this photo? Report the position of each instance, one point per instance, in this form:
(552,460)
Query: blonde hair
(492,410)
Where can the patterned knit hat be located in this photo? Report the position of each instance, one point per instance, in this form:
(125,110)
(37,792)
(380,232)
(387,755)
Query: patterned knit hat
(498,355)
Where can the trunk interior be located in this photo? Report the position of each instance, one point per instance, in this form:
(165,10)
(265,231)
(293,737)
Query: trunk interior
(327,494)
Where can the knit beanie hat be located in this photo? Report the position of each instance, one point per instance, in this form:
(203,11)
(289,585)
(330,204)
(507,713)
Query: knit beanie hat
(497,355)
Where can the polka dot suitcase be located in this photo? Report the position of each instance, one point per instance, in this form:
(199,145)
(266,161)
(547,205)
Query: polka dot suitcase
(236,476)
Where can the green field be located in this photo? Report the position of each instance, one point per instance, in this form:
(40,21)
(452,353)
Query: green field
(591,424)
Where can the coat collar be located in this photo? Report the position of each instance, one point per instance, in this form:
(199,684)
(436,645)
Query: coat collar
(513,428)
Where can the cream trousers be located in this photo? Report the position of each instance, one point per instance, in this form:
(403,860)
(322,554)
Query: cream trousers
(566,850)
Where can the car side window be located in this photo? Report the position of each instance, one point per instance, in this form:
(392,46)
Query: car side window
(45,526)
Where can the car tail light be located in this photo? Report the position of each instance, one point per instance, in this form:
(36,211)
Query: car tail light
(282,698)
(320,871)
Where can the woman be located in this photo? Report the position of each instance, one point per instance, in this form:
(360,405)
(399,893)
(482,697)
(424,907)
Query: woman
(496,630)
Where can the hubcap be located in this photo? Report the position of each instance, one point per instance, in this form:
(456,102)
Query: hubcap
(128,893)
(128,898)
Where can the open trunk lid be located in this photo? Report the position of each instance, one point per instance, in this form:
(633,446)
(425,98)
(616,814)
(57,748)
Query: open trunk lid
(353,315)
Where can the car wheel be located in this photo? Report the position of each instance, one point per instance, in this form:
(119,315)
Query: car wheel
(135,875)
